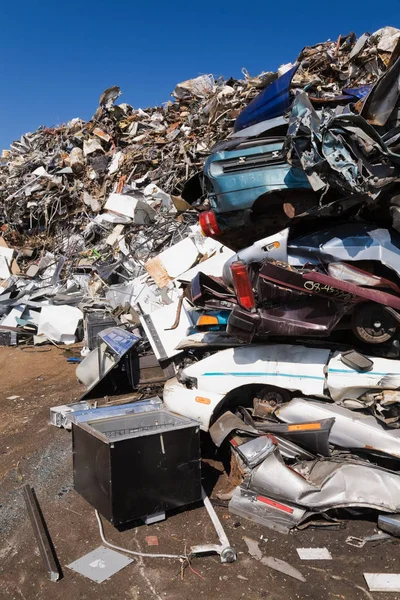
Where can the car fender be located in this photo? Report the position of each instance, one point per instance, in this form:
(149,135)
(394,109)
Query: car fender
(194,403)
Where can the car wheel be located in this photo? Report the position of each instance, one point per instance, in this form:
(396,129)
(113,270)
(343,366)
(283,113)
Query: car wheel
(269,399)
(372,324)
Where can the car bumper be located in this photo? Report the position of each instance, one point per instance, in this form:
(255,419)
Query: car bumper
(191,403)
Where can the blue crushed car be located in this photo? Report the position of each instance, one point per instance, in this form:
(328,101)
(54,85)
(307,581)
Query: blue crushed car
(236,179)
(251,187)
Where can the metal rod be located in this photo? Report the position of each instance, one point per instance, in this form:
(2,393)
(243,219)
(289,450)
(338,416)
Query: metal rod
(226,553)
(42,537)
(215,520)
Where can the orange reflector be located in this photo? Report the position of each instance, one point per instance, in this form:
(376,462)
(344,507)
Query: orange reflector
(202,400)
(304,427)
(274,504)
(272,245)
(207,320)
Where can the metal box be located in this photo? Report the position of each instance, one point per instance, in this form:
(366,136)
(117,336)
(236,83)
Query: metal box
(8,338)
(137,466)
(96,323)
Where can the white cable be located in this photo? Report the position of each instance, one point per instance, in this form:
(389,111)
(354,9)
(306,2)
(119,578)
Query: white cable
(176,556)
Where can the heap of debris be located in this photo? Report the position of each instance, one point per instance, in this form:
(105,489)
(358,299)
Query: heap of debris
(329,68)
(86,208)
(313,427)
(58,179)
(85,205)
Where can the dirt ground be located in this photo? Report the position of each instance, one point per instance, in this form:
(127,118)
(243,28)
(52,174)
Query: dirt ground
(32,451)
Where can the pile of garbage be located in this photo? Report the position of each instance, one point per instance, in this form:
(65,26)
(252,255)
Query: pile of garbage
(306,391)
(351,145)
(57,179)
(284,347)
(86,205)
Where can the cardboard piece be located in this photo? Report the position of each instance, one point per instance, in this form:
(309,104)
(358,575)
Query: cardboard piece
(130,206)
(172,262)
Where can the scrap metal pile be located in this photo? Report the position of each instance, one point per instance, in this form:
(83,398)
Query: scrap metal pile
(86,205)
(313,425)
(286,346)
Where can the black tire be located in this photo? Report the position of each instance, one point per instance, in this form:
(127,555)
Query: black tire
(372,324)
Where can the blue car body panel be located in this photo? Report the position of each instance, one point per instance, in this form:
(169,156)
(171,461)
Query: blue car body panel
(358,92)
(237,178)
(272,102)
(245,166)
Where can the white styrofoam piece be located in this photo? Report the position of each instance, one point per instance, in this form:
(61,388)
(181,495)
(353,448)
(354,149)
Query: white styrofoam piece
(129,206)
(383,582)
(59,323)
(114,165)
(4,268)
(173,261)
(179,257)
(10,320)
(8,253)
(314,553)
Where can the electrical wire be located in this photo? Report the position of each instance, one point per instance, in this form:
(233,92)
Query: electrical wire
(180,557)
(33,349)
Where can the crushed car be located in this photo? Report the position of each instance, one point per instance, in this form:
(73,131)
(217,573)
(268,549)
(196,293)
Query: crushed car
(345,278)
(276,373)
(320,140)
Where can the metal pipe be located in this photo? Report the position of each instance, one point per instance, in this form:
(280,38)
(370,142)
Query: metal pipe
(226,553)
(42,536)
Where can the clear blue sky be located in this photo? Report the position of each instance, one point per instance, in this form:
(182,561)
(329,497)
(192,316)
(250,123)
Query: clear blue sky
(57,57)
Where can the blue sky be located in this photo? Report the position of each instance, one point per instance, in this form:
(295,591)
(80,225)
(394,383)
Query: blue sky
(57,57)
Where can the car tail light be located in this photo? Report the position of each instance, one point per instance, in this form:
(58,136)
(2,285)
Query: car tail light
(242,285)
(208,223)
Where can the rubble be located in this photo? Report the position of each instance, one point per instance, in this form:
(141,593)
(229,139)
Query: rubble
(84,206)
(50,176)
(102,229)
(89,205)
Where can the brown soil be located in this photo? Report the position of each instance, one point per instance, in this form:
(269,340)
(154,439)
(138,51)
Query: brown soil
(32,451)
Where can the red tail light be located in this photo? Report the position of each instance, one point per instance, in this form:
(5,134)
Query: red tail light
(242,285)
(208,223)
